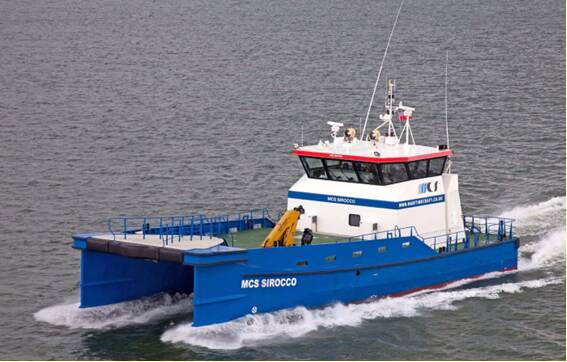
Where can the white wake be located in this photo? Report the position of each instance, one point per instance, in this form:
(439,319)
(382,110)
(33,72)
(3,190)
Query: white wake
(544,222)
(549,250)
(258,329)
(117,315)
(530,220)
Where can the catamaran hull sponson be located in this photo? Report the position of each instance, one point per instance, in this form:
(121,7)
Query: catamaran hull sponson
(108,278)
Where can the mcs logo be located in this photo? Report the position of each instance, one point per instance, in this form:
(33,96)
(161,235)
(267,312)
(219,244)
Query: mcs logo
(428,187)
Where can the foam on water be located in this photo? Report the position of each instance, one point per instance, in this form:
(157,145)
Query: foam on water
(547,251)
(531,219)
(117,315)
(546,222)
(258,329)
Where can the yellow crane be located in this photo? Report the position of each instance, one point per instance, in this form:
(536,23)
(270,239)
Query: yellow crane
(283,234)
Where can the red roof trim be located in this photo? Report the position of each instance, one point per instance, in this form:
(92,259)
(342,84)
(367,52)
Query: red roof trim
(338,156)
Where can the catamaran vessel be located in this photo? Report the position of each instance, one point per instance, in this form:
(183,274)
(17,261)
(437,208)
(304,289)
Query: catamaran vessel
(373,216)
(368,219)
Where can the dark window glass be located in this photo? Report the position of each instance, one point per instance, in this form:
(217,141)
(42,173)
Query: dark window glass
(368,173)
(314,167)
(436,166)
(341,170)
(418,169)
(354,220)
(394,172)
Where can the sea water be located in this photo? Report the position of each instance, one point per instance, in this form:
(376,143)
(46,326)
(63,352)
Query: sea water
(168,107)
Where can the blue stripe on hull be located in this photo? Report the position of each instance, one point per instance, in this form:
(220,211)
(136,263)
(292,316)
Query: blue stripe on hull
(396,205)
(221,295)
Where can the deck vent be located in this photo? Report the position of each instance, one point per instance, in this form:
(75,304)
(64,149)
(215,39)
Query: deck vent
(375,226)
(330,258)
(442,147)
(382,249)
(406,244)
(302,263)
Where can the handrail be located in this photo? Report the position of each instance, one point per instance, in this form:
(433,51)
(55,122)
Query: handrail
(199,225)
(492,225)
(447,240)
(489,225)
(390,233)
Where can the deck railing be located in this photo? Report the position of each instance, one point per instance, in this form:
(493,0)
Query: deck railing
(489,226)
(479,229)
(172,228)
(447,242)
(396,232)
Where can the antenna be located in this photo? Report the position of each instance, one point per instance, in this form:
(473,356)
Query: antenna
(446,106)
(380,71)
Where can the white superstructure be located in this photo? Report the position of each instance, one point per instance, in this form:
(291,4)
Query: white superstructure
(353,186)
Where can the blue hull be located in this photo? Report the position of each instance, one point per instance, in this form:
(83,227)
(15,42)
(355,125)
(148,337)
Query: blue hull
(270,279)
(229,283)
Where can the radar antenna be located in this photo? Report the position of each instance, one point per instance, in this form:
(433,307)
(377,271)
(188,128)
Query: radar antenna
(405,116)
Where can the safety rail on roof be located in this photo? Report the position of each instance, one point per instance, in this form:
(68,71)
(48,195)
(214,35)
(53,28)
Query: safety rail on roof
(171,228)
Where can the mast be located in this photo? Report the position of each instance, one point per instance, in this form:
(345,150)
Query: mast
(380,71)
(446,103)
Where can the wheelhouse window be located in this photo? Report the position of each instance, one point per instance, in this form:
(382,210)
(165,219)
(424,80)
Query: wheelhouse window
(372,173)
(436,166)
(340,170)
(394,172)
(418,169)
(369,173)
(314,167)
